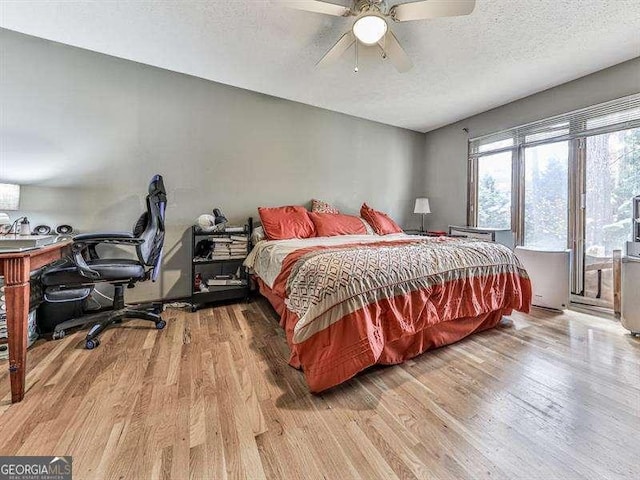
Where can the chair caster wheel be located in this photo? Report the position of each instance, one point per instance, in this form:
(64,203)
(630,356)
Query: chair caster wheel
(58,335)
(160,324)
(91,344)
(194,308)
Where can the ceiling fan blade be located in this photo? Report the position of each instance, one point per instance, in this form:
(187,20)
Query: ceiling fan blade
(395,53)
(337,50)
(431,9)
(317,6)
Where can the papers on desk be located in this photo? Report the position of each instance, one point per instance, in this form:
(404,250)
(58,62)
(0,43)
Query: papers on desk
(21,243)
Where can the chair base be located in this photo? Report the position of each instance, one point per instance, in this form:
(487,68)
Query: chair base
(101,320)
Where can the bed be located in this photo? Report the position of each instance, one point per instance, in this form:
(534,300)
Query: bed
(349,302)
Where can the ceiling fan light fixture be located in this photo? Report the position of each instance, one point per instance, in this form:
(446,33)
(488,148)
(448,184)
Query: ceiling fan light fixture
(370,28)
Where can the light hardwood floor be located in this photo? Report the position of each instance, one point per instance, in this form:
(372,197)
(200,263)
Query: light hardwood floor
(545,396)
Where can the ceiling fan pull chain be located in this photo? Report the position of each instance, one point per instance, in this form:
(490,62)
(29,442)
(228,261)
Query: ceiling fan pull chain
(355,69)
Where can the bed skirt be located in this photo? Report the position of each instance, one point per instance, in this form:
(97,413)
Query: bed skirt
(395,349)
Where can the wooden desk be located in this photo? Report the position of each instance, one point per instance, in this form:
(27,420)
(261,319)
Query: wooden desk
(16,268)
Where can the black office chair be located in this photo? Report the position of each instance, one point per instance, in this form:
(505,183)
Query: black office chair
(68,283)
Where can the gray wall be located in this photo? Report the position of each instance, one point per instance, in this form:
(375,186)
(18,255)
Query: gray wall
(446,148)
(84,133)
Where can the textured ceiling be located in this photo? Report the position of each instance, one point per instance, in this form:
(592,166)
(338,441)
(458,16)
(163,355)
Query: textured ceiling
(505,50)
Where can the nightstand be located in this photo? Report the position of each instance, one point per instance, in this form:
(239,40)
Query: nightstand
(426,234)
(498,235)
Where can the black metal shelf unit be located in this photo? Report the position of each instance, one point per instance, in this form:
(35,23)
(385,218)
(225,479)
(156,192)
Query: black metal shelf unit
(222,266)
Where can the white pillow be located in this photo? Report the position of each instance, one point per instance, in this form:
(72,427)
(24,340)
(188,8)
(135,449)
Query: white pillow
(369,228)
(257,235)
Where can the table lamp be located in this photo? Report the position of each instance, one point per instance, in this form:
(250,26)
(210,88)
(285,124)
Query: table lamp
(422,207)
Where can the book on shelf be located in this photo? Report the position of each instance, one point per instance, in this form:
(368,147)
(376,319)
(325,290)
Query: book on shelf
(239,238)
(233,229)
(215,282)
(225,256)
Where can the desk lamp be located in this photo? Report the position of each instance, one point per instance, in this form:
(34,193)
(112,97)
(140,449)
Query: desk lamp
(422,207)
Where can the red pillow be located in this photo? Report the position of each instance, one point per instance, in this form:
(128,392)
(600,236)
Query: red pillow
(381,222)
(281,223)
(332,224)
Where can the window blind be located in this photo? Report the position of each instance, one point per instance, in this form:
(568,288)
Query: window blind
(619,114)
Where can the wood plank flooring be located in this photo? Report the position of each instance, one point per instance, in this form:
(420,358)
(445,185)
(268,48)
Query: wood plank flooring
(212,397)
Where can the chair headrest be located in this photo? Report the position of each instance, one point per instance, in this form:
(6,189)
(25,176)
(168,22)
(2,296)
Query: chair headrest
(156,188)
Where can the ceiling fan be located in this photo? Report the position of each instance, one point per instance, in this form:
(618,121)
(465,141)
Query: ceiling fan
(371,26)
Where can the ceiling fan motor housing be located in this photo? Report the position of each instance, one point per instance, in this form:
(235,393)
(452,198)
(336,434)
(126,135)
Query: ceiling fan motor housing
(361,6)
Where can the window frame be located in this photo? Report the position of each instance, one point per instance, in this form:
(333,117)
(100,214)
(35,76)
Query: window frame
(473,191)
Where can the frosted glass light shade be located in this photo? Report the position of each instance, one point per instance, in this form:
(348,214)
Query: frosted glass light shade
(422,206)
(369,29)
(9,196)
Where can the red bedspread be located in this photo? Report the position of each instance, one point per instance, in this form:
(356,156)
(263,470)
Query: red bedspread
(347,307)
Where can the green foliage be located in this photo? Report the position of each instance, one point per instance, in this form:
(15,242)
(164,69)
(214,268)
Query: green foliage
(617,229)
(546,214)
(494,205)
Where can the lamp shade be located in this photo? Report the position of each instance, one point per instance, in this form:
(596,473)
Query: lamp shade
(9,196)
(422,206)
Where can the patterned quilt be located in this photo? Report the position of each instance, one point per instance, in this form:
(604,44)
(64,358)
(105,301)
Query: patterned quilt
(346,303)
(321,280)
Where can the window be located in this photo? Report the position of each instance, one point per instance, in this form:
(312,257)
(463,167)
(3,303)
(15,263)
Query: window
(494,190)
(546,199)
(612,179)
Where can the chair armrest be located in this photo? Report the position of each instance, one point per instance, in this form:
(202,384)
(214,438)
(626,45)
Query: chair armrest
(86,241)
(102,236)
(120,238)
